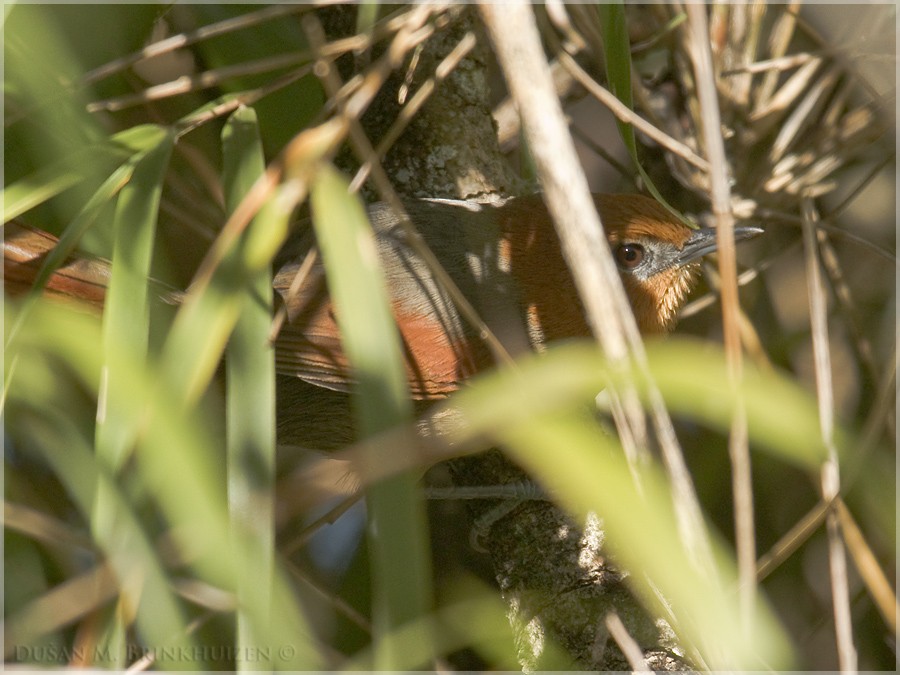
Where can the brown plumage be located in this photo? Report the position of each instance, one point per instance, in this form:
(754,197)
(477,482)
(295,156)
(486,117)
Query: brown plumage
(506,260)
(79,279)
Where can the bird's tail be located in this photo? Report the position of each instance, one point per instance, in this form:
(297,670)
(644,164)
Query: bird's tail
(25,250)
(78,277)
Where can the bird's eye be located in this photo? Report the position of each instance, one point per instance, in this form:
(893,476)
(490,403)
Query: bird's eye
(629,256)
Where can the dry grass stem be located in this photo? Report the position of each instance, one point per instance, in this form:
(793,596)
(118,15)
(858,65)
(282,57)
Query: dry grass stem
(205,80)
(781,65)
(517,45)
(629,646)
(791,540)
(41,527)
(867,565)
(738,440)
(840,591)
(531,85)
(627,115)
(182,40)
(60,607)
(281,314)
(341,606)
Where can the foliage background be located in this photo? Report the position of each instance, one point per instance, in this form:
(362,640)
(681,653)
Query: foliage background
(111,531)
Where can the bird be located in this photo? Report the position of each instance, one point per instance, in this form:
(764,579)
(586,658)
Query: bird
(507,262)
(505,259)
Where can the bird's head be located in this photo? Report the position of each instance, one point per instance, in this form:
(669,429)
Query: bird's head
(657,256)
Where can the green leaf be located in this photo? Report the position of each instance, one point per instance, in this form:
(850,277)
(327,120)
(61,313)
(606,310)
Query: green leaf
(73,233)
(539,415)
(397,526)
(250,415)
(210,310)
(126,326)
(126,317)
(782,416)
(49,181)
(53,335)
(617,56)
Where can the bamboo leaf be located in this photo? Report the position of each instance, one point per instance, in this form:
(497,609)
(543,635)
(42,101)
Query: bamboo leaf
(126,326)
(73,233)
(250,399)
(49,181)
(52,336)
(397,528)
(126,315)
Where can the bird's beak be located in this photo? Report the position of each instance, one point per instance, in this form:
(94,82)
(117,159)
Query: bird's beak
(703,241)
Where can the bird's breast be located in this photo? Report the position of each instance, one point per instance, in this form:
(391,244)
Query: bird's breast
(552,307)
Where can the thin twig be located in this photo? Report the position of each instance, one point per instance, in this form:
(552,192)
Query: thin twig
(182,40)
(556,12)
(862,185)
(793,539)
(354,43)
(840,591)
(700,303)
(626,114)
(881,417)
(244,98)
(387,26)
(507,117)
(518,47)
(204,80)
(341,606)
(749,337)
(846,304)
(779,64)
(631,650)
(516,41)
(867,564)
(296,284)
(738,444)
(595,147)
(328,518)
(780,37)
(801,116)
(443,70)
(763,214)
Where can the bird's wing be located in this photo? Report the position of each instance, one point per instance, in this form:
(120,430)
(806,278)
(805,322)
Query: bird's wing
(438,351)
